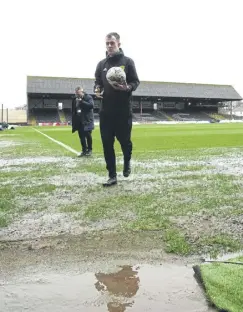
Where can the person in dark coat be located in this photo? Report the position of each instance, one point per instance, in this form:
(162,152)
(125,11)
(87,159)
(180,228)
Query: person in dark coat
(83,119)
(116,106)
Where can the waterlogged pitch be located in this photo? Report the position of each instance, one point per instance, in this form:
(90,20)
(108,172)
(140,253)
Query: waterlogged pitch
(186,186)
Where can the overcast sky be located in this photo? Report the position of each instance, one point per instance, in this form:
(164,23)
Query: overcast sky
(170,40)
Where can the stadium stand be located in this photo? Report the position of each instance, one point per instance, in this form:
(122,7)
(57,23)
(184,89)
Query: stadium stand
(151,117)
(215,116)
(68,114)
(162,116)
(61,85)
(46,115)
(62,116)
(189,116)
(32,120)
(152,101)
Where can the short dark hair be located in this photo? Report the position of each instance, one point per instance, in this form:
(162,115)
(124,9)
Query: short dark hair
(79,88)
(113,34)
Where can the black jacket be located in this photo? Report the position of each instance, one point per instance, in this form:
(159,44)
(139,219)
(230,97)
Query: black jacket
(116,101)
(86,118)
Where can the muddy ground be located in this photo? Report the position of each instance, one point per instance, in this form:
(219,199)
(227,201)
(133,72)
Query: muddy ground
(90,274)
(64,247)
(69,200)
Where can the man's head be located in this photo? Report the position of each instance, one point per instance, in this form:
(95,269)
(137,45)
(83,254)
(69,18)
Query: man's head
(112,43)
(79,92)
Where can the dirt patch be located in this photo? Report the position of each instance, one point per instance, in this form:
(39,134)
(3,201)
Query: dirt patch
(201,224)
(35,225)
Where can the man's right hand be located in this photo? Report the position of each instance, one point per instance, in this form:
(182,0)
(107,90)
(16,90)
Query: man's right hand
(121,87)
(98,93)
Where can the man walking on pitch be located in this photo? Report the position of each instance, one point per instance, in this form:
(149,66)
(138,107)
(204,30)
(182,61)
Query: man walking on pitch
(83,119)
(116,107)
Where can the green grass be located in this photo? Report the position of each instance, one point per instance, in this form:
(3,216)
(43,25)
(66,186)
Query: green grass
(33,190)
(223,283)
(159,138)
(70,208)
(6,198)
(176,242)
(156,198)
(9,196)
(3,221)
(219,242)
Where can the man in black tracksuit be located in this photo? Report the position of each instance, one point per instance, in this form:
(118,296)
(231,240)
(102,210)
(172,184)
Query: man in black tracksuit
(83,119)
(116,107)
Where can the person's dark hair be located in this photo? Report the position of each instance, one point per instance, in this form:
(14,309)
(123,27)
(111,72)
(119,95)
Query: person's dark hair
(79,88)
(113,34)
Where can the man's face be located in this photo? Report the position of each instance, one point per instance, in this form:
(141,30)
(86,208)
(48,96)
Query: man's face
(79,93)
(112,45)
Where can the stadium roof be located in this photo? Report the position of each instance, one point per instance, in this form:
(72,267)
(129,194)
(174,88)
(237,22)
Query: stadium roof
(59,85)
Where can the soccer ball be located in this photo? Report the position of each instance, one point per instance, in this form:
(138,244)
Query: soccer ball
(116,75)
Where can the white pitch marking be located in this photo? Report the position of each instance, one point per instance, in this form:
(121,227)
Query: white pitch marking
(58,142)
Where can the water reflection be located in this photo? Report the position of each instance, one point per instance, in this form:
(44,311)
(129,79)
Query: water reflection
(120,287)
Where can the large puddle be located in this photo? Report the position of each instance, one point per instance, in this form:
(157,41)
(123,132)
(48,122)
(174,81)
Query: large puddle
(166,287)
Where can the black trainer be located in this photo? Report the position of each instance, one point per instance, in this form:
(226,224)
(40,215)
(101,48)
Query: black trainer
(88,153)
(82,154)
(127,169)
(110,182)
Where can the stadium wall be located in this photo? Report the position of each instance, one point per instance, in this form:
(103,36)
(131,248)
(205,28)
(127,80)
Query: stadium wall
(13,116)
